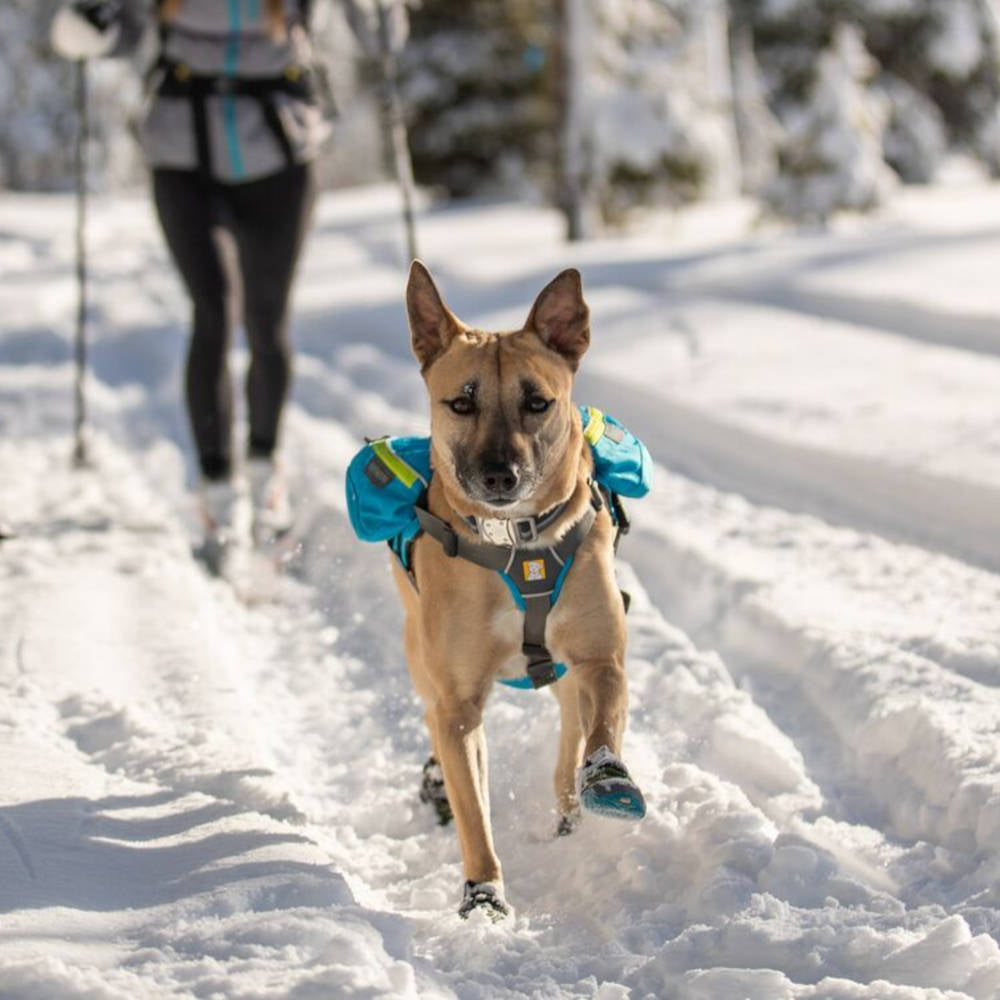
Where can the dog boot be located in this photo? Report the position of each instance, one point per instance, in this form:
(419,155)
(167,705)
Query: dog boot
(485,896)
(272,511)
(607,788)
(432,791)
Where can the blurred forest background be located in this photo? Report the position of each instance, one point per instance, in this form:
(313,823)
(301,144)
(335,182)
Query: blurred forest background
(601,107)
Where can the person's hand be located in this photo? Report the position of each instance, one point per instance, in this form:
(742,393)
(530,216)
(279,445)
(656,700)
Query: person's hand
(86,29)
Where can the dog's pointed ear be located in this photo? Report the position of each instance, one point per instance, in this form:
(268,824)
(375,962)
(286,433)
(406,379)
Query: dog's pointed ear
(432,323)
(561,317)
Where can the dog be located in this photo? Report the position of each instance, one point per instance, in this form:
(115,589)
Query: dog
(512,474)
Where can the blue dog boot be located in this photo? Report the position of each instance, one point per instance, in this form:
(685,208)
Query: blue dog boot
(607,789)
(485,896)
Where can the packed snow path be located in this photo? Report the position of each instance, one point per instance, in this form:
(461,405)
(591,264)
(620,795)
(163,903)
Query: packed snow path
(212,797)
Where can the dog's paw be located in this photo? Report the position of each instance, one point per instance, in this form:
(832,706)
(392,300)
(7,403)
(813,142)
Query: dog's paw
(568,822)
(486,897)
(606,787)
(432,791)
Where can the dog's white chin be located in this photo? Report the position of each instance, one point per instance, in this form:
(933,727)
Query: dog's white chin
(508,511)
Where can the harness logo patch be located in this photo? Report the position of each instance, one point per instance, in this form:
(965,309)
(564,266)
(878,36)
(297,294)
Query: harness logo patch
(534,569)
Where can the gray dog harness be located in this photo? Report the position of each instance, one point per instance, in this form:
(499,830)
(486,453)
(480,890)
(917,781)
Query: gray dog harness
(534,574)
(386,486)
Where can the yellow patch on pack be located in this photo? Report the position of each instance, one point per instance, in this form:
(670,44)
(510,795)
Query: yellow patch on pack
(534,569)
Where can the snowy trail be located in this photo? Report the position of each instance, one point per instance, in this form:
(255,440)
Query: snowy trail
(895,711)
(204,798)
(956,517)
(977,333)
(143,800)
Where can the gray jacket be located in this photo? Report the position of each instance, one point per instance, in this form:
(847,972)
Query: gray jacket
(230,41)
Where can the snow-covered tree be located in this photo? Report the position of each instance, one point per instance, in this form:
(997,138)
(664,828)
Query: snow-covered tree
(477,81)
(645,84)
(938,71)
(757,129)
(38,119)
(946,52)
(660,104)
(915,140)
(831,155)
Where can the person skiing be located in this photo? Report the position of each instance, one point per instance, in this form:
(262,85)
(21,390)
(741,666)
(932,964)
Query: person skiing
(230,134)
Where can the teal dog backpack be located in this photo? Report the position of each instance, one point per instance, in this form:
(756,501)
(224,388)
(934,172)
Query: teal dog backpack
(387,485)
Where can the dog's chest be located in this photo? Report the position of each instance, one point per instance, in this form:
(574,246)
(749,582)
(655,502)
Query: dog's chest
(507,627)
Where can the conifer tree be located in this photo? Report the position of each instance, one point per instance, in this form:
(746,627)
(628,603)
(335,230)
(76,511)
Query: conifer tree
(831,155)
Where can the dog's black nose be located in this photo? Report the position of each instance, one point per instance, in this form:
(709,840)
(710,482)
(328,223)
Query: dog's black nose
(500,477)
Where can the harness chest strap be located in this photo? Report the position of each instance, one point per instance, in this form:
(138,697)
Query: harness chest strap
(534,572)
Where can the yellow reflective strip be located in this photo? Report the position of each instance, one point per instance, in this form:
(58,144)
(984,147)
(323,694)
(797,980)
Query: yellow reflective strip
(403,472)
(595,425)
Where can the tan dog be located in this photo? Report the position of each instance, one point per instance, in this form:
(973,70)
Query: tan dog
(507,444)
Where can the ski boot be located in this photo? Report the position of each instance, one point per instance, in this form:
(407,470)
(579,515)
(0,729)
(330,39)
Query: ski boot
(226,523)
(272,511)
(606,788)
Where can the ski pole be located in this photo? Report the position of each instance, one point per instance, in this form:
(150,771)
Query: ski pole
(395,123)
(80,456)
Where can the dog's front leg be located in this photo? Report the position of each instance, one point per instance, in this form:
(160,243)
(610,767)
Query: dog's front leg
(603,692)
(570,745)
(461,744)
(606,787)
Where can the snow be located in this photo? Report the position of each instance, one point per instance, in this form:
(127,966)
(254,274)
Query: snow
(957,47)
(212,794)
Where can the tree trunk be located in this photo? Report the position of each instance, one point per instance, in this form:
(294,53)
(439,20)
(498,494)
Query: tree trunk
(570,50)
(756,129)
(395,124)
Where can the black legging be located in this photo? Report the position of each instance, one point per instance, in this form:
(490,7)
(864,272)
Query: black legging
(226,239)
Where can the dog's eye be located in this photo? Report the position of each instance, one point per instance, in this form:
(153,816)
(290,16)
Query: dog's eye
(462,405)
(537,404)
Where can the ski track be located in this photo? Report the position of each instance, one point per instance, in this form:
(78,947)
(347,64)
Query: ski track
(234,792)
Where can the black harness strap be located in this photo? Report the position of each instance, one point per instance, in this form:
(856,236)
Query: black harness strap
(269,109)
(178,81)
(532,570)
(203,147)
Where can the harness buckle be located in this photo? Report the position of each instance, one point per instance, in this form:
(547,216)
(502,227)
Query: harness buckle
(526,529)
(500,531)
(596,500)
(496,531)
(624,521)
(540,668)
